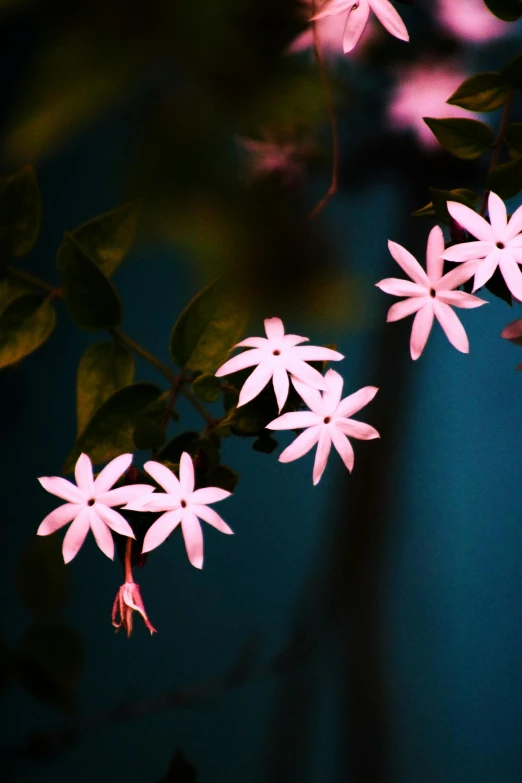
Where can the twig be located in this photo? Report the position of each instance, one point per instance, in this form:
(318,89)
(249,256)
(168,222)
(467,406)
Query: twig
(19,274)
(497,146)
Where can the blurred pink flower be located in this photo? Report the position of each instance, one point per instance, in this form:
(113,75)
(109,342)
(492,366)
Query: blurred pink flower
(182,506)
(275,356)
(499,243)
(128,600)
(470,20)
(265,158)
(90,505)
(330,30)
(421,91)
(326,422)
(513,332)
(356,14)
(430,295)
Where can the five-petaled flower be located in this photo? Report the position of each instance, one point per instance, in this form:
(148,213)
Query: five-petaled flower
(359,12)
(90,505)
(499,243)
(430,295)
(182,505)
(326,422)
(275,356)
(128,600)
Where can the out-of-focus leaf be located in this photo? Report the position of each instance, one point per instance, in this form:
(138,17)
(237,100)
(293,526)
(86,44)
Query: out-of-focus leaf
(25,325)
(512,72)
(506,179)
(222,476)
(513,138)
(205,454)
(49,664)
(148,434)
(110,431)
(174,448)
(19,213)
(508,10)
(208,328)
(438,207)
(11,288)
(466,139)
(104,368)
(482,92)
(180,770)
(207,388)
(265,443)
(42,578)
(107,239)
(90,298)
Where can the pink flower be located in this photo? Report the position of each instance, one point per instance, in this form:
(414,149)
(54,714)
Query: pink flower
(182,506)
(330,31)
(90,505)
(430,294)
(499,243)
(358,15)
(326,422)
(266,158)
(275,356)
(513,332)
(128,600)
(470,20)
(421,90)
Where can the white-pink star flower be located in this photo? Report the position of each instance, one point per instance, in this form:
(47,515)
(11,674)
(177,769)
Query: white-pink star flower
(499,243)
(326,422)
(358,15)
(430,295)
(183,506)
(90,505)
(275,356)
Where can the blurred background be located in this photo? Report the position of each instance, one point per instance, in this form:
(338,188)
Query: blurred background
(364,630)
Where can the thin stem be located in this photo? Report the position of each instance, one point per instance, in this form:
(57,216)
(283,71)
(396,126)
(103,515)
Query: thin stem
(128,564)
(497,146)
(149,357)
(334,182)
(191,397)
(19,274)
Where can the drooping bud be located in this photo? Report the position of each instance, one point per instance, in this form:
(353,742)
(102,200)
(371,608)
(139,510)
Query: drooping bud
(127,601)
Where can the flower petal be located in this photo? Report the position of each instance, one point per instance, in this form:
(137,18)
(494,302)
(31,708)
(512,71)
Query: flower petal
(452,326)
(304,373)
(110,474)
(193,536)
(357,429)
(434,251)
(497,215)
(486,268)
(281,384)
(301,445)
(471,221)
(468,251)
(75,535)
(62,488)
(355,24)
(291,340)
(460,299)
(409,264)
(157,501)
(406,307)
(102,534)
(333,7)
(210,516)
(164,477)
(420,331)
(511,274)
(457,276)
(113,519)
(274,329)
(208,495)
(389,18)
(316,353)
(186,474)
(256,382)
(254,342)
(354,402)
(321,455)
(514,225)
(343,447)
(333,393)
(83,475)
(398,287)
(241,362)
(295,421)
(161,529)
(58,518)
(122,495)
(310,396)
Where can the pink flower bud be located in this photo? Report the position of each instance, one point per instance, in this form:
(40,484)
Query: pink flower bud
(127,601)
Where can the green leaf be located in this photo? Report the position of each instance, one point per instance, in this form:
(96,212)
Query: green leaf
(42,578)
(207,388)
(12,288)
(19,212)
(208,328)
(107,239)
(49,663)
(90,298)
(506,179)
(482,92)
(508,10)
(148,434)
(110,432)
(513,139)
(222,476)
(25,325)
(466,139)
(438,206)
(265,443)
(174,448)
(104,368)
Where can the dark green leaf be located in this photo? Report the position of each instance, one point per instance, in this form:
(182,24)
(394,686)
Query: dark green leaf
(107,239)
(513,138)
(222,476)
(482,92)
(438,206)
(110,431)
(49,664)
(104,368)
(11,288)
(42,578)
(25,324)
(19,213)
(90,298)
(466,139)
(174,449)
(148,434)
(265,443)
(205,453)
(506,179)
(508,10)
(512,73)
(207,388)
(208,328)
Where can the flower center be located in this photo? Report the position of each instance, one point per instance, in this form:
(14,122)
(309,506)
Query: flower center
(433,293)
(91,502)
(183,504)
(327,419)
(276,352)
(501,245)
